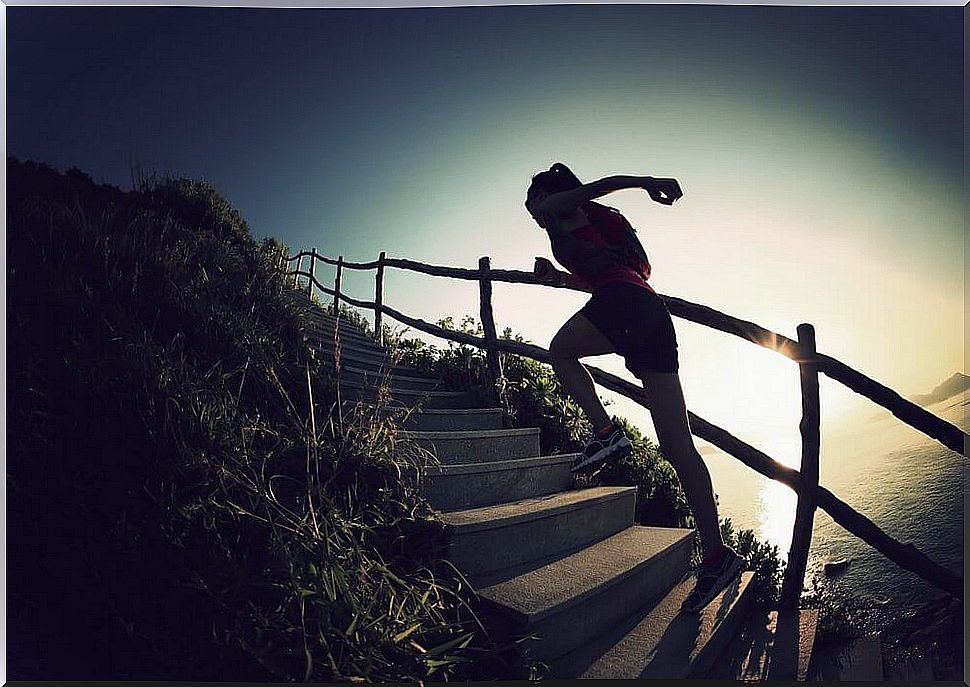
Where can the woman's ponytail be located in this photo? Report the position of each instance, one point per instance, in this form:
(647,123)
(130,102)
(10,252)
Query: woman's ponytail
(562,170)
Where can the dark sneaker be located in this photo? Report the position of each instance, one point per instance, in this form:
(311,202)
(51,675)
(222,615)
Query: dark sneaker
(598,451)
(711,579)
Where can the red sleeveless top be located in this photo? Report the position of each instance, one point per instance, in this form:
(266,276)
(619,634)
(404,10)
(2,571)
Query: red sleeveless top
(605,231)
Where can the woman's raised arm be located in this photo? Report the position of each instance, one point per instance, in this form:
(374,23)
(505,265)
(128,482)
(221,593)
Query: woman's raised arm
(664,191)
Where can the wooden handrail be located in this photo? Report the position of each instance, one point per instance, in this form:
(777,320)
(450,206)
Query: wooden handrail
(912,414)
(331,261)
(804,483)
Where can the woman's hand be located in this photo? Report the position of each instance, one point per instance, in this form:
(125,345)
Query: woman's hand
(546,273)
(663,191)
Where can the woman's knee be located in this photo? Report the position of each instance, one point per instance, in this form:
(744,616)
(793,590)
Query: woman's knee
(567,344)
(561,349)
(578,338)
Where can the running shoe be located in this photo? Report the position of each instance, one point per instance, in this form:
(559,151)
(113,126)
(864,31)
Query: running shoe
(599,450)
(711,579)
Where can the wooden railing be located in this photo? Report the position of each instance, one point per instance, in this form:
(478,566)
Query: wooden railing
(803,482)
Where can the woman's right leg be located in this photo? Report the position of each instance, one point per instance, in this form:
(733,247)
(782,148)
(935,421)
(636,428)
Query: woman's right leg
(669,412)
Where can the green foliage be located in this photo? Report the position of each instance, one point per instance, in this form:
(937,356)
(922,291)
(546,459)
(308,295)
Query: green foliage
(760,557)
(187,499)
(197,204)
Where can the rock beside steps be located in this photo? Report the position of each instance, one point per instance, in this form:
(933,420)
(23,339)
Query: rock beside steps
(569,566)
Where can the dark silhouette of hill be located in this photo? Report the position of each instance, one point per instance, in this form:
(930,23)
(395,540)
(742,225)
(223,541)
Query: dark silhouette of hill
(955,384)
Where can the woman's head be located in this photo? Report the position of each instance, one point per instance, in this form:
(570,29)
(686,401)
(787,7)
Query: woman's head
(557,178)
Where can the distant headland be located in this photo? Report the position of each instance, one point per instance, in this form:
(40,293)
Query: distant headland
(957,383)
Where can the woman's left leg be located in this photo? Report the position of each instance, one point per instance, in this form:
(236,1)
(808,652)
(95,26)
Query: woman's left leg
(577,339)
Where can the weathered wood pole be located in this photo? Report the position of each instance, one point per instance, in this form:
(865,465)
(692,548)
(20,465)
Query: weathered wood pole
(336,286)
(379,301)
(791,588)
(313,272)
(493,367)
(296,273)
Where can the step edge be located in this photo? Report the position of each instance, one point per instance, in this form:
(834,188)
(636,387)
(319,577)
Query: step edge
(409,378)
(447,469)
(470,433)
(407,392)
(536,514)
(461,411)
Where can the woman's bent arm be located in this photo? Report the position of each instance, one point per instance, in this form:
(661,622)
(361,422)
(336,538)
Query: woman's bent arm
(566,201)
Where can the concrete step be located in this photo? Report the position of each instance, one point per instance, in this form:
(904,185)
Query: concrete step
(479,446)
(664,643)
(493,543)
(320,314)
(346,331)
(454,419)
(368,361)
(326,323)
(770,646)
(410,397)
(325,343)
(320,339)
(472,485)
(572,601)
(361,375)
(437,419)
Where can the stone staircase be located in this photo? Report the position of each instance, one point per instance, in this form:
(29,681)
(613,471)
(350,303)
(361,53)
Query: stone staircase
(565,564)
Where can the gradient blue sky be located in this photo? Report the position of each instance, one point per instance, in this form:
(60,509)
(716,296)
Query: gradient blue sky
(820,150)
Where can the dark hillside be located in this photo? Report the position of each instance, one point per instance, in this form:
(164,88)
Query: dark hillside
(179,509)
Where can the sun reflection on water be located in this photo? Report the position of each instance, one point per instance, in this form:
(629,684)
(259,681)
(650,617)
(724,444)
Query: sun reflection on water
(777,502)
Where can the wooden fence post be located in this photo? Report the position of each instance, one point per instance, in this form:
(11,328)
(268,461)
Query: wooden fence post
(379,301)
(313,270)
(492,360)
(794,581)
(336,286)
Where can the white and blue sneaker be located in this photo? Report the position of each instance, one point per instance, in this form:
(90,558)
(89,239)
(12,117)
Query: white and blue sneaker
(600,450)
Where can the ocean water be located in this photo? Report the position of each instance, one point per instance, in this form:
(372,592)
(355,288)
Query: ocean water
(909,485)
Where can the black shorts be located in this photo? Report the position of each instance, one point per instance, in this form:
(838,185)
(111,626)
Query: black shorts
(638,324)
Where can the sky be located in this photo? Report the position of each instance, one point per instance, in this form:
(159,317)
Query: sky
(820,151)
